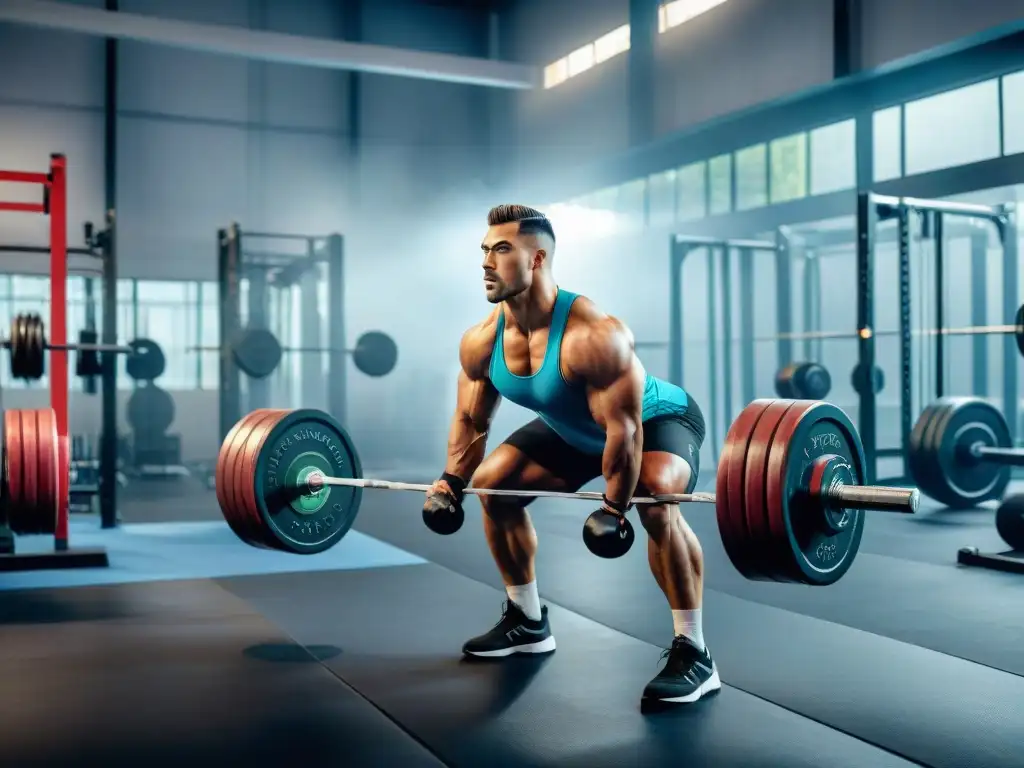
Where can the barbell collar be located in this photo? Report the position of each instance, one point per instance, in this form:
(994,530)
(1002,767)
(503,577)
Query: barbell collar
(867,497)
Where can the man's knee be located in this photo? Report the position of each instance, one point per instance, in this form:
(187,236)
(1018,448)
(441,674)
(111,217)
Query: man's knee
(662,474)
(499,473)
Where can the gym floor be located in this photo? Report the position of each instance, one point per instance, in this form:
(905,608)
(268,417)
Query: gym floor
(194,648)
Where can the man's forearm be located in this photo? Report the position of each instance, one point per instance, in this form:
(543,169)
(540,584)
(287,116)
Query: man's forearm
(467,444)
(620,464)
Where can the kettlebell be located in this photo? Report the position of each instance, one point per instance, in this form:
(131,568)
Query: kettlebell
(442,514)
(608,535)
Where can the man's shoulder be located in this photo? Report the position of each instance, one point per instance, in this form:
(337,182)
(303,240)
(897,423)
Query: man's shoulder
(477,342)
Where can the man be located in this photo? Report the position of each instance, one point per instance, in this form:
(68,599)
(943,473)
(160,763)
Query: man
(598,414)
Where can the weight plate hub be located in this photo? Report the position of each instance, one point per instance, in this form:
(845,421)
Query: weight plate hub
(772,527)
(266,457)
(942,463)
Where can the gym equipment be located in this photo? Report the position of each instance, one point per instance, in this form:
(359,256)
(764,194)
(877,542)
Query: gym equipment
(28,346)
(788,501)
(147,361)
(803,381)
(1017,329)
(960,452)
(257,352)
(1010,522)
(862,382)
(150,410)
(30,471)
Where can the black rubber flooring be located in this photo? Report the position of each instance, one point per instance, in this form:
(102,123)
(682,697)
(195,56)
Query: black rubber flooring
(922,659)
(175,673)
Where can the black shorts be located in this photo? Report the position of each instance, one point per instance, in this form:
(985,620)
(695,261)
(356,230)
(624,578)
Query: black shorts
(681,435)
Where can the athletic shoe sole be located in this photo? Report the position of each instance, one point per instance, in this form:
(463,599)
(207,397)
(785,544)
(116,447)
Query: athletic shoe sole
(710,685)
(544,646)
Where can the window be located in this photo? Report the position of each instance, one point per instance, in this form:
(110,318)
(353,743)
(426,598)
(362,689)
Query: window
(692,192)
(166,314)
(751,177)
(1013,113)
(953,128)
(556,73)
(834,157)
(720,184)
(208,363)
(788,167)
(612,44)
(581,60)
(661,199)
(888,140)
(678,12)
(632,204)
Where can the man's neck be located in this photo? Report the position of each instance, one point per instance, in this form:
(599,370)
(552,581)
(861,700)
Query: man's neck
(532,309)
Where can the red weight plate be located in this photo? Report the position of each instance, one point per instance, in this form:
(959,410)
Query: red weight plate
(14,470)
(755,487)
(777,494)
(48,473)
(30,468)
(243,521)
(246,464)
(729,507)
(223,479)
(64,480)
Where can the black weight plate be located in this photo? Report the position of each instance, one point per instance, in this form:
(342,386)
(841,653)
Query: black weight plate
(256,352)
(812,381)
(922,463)
(1019,333)
(302,442)
(375,354)
(150,410)
(1010,522)
(813,552)
(963,480)
(784,381)
(28,347)
(146,362)
(861,382)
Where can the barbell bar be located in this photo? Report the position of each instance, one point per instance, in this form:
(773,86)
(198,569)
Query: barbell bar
(257,352)
(789,498)
(28,346)
(866,333)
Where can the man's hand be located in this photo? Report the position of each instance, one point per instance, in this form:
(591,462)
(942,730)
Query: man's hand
(442,509)
(601,355)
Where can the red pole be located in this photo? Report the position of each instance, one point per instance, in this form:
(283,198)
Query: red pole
(58,335)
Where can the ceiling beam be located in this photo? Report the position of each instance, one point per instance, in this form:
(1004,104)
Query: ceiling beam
(270,46)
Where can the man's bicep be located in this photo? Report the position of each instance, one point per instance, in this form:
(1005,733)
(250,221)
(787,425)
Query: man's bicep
(619,403)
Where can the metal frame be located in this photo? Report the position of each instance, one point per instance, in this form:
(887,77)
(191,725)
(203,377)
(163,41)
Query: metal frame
(719,266)
(234,265)
(873,209)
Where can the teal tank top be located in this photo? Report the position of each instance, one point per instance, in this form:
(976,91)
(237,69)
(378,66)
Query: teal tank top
(563,406)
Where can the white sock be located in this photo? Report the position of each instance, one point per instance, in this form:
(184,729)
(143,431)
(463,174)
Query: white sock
(526,597)
(687,623)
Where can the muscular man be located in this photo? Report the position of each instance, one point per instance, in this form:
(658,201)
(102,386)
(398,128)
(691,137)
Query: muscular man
(599,414)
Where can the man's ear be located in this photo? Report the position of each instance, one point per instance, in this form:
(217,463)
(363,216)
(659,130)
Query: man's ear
(539,257)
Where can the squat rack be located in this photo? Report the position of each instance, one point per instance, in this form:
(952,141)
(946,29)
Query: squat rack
(54,205)
(263,271)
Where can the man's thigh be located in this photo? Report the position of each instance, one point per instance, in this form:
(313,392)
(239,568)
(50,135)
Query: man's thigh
(534,457)
(671,457)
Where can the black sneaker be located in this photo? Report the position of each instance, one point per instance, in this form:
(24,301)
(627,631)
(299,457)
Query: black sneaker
(688,675)
(515,633)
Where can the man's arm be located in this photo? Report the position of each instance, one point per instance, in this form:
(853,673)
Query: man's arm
(603,358)
(475,406)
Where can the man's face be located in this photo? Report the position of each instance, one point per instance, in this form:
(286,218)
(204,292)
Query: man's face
(509,261)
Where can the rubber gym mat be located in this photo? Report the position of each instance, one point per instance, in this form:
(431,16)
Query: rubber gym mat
(197,550)
(929,706)
(401,631)
(176,673)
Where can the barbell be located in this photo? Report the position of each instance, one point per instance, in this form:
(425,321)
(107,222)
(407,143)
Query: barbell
(789,499)
(28,347)
(1017,330)
(960,452)
(257,352)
